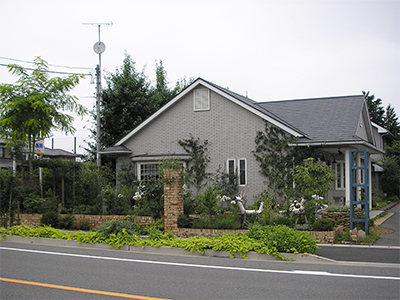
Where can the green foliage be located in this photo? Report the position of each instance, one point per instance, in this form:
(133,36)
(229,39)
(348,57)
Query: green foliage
(184,221)
(199,159)
(31,108)
(33,204)
(227,182)
(116,226)
(283,238)
(151,200)
(325,224)
(117,200)
(283,221)
(50,219)
(391,175)
(208,201)
(128,99)
(224,221)
(65,222)
(312,178)
(233,243)
(276,158)
(11,191)
(89,185)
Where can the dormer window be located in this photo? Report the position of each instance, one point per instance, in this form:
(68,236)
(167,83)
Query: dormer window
(201,99)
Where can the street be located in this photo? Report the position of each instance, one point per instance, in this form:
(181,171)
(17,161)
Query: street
(140,275)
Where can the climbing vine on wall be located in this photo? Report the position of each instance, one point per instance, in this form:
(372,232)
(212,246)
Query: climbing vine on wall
(277,158)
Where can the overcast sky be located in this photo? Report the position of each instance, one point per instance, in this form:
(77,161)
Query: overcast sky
(271,50)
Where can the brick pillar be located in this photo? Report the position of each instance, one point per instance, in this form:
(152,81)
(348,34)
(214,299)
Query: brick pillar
(173,199)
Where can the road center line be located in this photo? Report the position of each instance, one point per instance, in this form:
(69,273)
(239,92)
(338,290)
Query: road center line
(75,289)
(294,272)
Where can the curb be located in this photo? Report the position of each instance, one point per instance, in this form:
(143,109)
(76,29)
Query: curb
(252,255)
(391,206)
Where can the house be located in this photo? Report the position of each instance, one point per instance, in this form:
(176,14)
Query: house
(230,122)
(6,160)
(58,153)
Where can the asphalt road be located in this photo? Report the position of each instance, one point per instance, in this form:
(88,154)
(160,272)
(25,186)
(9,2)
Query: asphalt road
(183,277)
(384,250)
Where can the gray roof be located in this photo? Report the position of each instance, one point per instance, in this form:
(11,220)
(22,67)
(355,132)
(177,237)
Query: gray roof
(322,120)
(116,150)
(57,153)
(257,106)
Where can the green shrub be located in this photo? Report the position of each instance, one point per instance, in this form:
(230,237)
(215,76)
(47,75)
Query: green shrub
(325,224)
(116,226)
(50,218)
(65,222)
(225,221)
(283,238)
(81,225)
(183,221)
(283,221)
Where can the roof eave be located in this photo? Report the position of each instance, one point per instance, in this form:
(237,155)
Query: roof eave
(374,149)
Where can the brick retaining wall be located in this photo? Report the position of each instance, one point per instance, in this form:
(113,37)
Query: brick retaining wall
(92,220)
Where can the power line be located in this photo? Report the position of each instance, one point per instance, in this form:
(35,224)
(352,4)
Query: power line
(58,66)
(56,72)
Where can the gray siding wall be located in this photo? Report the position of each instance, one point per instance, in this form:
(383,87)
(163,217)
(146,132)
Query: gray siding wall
(229,129)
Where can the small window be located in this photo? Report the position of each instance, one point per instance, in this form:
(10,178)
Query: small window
(242,172)
(201,99)
(340,175)
(230,166)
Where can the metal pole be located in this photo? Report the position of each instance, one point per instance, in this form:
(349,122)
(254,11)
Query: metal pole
(98,115)
(98,107)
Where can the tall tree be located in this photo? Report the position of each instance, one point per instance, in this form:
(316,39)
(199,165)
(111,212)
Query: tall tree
(128,99)
(32,107)
(375,108)
(391,122)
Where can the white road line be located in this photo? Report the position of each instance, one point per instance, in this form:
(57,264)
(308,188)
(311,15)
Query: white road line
(294,272)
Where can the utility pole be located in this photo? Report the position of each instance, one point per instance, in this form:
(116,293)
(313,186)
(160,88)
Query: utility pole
(99,47)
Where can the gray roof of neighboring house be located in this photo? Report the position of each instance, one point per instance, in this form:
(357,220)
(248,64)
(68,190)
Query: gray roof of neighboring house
(333,119)
(57,153)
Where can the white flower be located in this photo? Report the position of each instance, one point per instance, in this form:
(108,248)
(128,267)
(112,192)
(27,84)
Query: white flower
(137,196)
(233,202)
(120,195)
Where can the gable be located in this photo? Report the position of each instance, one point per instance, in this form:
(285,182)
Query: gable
(241,101)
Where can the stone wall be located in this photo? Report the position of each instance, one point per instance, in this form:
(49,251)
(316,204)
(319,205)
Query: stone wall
(341,218)
(91,220)
(173,199)
(326,236)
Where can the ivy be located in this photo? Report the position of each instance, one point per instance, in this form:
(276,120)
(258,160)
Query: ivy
(199,160)
(233,243)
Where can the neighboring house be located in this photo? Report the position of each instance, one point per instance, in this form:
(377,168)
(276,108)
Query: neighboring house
(6,160)
(58,153)
(230,123)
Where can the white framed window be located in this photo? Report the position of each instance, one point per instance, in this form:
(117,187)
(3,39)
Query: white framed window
(340,170)
(147,170)
(201,99)
(150,169)
(242,168)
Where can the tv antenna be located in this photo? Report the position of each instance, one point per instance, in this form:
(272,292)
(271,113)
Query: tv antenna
(99,47)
